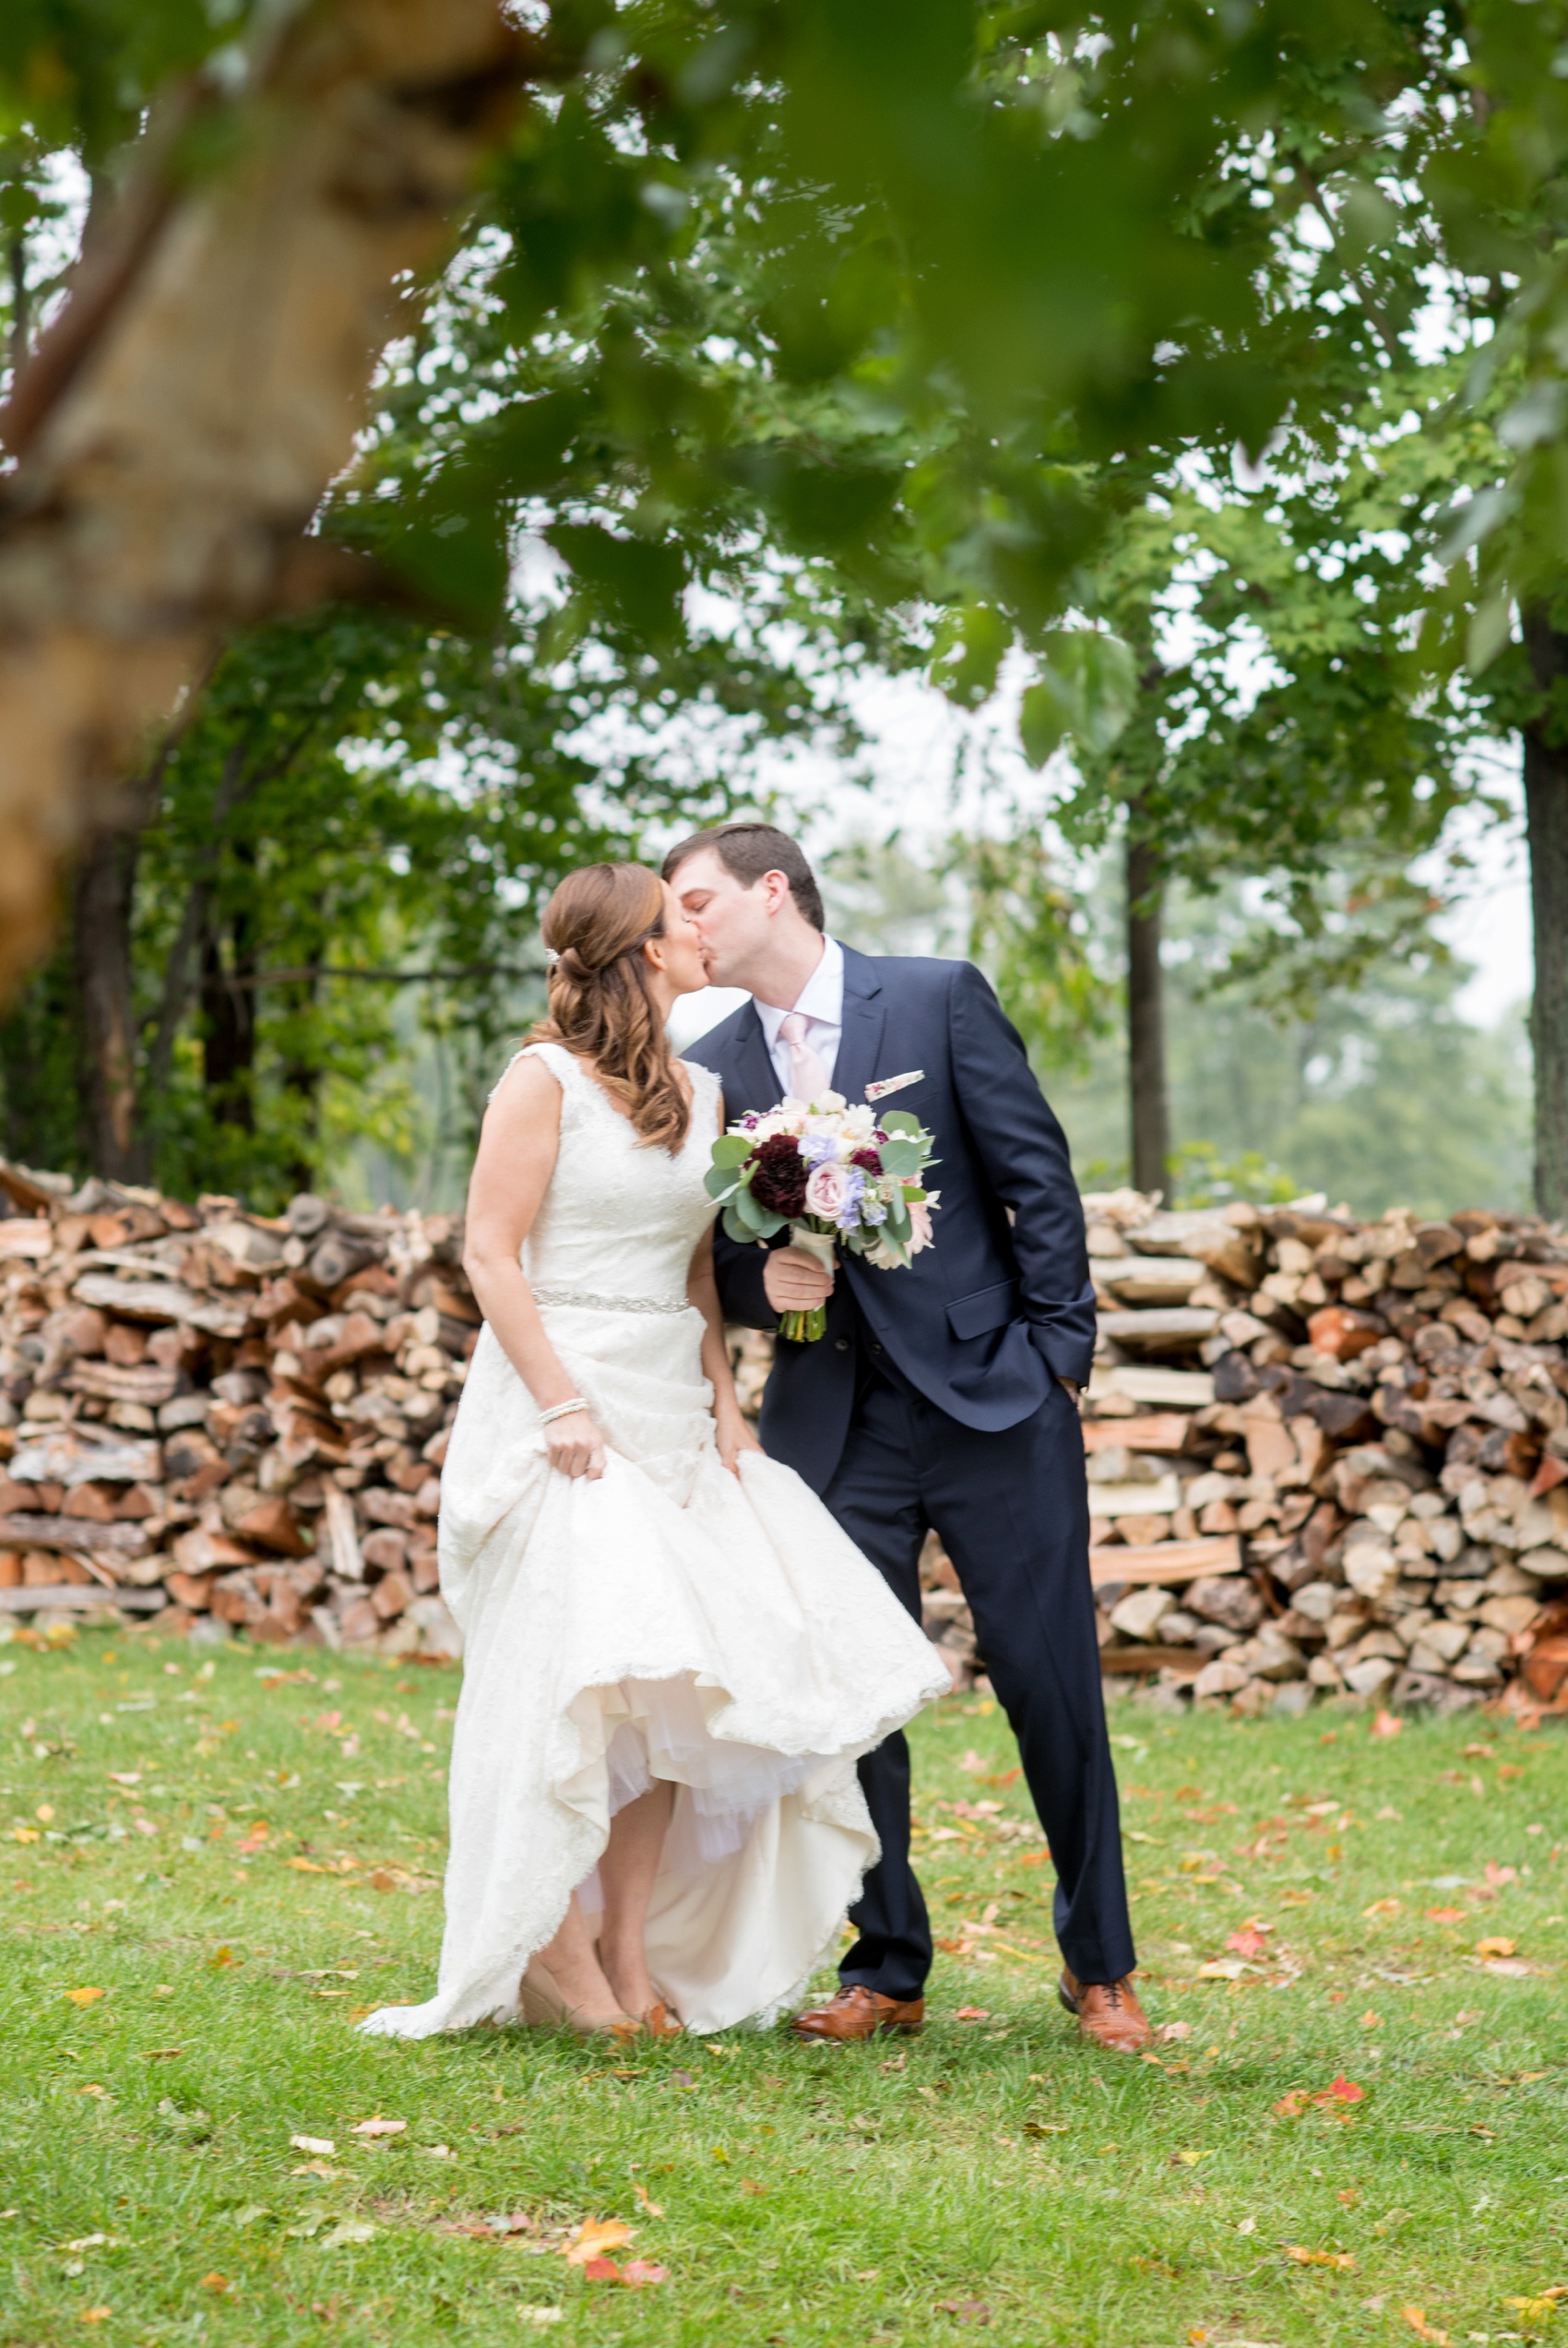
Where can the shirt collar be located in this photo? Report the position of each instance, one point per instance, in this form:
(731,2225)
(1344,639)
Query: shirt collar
(821,998)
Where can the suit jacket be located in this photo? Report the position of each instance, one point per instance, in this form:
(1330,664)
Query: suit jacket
(983,1320)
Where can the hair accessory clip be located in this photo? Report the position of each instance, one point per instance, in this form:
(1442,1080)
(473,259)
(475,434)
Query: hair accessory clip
(551,958)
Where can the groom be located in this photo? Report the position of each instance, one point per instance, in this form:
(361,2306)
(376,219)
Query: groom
(941,1396)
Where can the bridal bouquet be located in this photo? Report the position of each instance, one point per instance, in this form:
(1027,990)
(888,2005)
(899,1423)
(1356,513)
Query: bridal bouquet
(837,1176)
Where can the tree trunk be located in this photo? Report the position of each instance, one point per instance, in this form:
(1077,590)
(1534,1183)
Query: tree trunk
(227,1029)
(102,907)
(1545,822)
(21,315)
(177,424)
(1148,1103)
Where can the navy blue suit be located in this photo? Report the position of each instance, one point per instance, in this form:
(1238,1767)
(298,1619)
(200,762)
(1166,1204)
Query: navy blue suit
(934,1400)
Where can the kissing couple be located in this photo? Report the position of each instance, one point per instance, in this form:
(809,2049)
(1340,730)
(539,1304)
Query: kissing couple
(679,1756)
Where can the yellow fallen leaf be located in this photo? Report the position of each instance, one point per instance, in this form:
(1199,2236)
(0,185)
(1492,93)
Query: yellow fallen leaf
(1495,1948)
(85,1996)
(1537,2309)
(650,2206)
(1340,2260)
(25,1834)
(94,2315)
(594,2237)
(1383,1908)
(216,2282)
(1416,2319)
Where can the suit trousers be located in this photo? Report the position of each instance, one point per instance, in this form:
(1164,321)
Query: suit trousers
(1011,1508)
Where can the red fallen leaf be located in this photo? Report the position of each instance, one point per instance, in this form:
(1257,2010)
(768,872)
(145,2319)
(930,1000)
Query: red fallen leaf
(1247,1943)
(1447,1915)
(1291,2106)
(1341,2091)
(634,2274)
(1387,1723)
(973,2014)
(254,1839)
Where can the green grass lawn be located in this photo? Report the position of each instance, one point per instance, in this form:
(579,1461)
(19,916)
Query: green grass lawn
(212,1869)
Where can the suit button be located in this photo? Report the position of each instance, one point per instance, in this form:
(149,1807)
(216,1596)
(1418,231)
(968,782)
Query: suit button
(841,1344)
(875,1348)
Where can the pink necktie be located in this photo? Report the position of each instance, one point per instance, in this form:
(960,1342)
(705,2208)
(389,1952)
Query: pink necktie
(808,1078)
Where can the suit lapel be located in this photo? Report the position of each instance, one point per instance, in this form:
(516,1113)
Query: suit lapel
(864,1012)
(756,1078)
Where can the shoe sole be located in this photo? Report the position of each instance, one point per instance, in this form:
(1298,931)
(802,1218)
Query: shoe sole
(877,2030)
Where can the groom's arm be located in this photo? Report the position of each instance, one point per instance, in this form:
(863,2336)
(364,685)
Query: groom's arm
(1024,1152)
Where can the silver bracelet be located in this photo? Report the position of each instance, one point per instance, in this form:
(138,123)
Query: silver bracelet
(562,1409)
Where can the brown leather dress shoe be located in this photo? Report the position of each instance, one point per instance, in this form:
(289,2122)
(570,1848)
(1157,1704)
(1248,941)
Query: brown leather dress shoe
(1109,2013)
(856,2011)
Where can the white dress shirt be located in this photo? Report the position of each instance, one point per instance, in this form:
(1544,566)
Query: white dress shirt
(820,1004)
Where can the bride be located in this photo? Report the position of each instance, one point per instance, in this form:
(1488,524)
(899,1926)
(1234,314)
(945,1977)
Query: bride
(673,1655)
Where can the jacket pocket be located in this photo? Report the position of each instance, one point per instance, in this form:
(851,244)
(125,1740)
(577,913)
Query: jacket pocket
(986,1309)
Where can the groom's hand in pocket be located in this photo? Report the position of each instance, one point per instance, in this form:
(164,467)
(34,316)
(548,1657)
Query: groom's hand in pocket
(575,1446)
(793,1282)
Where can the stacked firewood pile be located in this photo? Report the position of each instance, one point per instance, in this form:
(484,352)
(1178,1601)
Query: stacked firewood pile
(1324,1457)
(224,1422)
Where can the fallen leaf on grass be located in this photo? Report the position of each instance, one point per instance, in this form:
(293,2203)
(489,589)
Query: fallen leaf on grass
(964,2310)
(1171,2034)
(254,1839)
(1370,2021)
(637,2273)
(1383,1908)
(1189,2160)
(1416,2319)
(1447,1915)
(313,2144)
(1540,2306)
(378,2127)
(1222,1969)
(1339,2093)
(644,2201)
(94,2315)
(90,1996)
(1248,1942)
(124,1777)
(1385,1724)
(216,2282)
(593,2237)
(315,2168)
(1338,2260)
(972,2014)
(350,2230)
(1496,1948)
(380,1880)
(539,2315)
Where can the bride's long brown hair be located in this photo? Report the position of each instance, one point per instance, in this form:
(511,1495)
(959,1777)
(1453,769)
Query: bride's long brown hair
(596,924)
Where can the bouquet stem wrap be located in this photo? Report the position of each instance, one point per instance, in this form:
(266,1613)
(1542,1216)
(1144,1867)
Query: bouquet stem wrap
(805,1327)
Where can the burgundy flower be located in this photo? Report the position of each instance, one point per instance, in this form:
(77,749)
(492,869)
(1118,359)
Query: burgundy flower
(868,1159)
(780,1180)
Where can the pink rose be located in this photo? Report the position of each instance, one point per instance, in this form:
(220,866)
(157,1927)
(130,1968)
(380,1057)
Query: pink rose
(831,1191)
(920,1218)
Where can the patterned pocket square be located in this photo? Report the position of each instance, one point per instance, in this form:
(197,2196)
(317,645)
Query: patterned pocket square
(887,1084)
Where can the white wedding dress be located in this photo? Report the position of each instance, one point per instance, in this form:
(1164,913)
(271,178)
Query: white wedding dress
(668,1621)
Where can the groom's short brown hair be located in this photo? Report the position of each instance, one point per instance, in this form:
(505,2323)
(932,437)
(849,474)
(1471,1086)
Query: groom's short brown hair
(746,851)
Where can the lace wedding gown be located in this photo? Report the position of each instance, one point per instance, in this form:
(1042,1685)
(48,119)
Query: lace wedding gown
(666,1621)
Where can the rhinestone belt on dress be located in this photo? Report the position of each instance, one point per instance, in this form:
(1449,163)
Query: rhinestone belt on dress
(586,1303)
